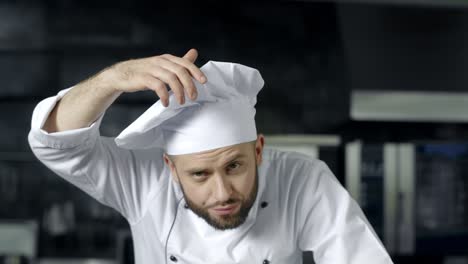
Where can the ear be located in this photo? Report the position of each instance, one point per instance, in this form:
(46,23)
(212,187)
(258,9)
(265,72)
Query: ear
(259,148)
(171,166)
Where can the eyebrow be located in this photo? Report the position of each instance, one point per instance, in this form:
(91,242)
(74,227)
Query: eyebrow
(235,157)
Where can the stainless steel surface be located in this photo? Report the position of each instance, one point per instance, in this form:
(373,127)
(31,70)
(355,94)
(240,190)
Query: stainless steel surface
(398,192)
(18,238)
(409,106)
(353,169)
(305,144)
(318,140)
(390,195)
(406,223)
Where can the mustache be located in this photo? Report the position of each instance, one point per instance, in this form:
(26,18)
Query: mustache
(224,203)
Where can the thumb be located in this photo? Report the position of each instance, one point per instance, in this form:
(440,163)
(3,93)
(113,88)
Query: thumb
(191,55)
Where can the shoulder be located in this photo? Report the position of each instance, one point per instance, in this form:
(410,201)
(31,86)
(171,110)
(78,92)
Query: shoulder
(293,170)
(296,181)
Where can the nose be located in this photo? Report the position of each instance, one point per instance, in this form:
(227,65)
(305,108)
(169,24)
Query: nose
(223,189)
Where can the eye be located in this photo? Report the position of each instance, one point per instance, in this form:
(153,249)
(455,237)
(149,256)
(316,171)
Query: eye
(198,174)
(233,166)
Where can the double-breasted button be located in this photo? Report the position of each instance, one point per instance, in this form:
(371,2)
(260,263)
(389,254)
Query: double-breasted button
(266,261)
(186,206)
(173,259)
(264,204)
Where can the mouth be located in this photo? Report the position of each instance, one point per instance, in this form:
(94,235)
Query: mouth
(225,210)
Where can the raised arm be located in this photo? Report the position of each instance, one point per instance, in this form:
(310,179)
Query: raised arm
(65,135)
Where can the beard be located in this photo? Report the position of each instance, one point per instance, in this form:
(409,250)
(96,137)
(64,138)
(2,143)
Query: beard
(225,222)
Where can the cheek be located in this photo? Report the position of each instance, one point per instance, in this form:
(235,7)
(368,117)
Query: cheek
(244,184)
(197,194)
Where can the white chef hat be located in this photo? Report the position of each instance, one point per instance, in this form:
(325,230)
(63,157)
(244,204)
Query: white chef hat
(222,115)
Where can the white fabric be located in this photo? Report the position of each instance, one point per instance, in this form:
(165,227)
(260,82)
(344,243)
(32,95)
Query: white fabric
(222,115)
(308,210)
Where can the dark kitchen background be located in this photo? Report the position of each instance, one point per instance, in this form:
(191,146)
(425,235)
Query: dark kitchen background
(377,89)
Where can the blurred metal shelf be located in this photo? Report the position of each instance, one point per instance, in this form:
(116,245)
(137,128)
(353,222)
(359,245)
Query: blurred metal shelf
(305,144)
(297,139)
(425,106)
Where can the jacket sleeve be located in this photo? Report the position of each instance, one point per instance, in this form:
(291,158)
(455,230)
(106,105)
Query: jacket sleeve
(122,179)
(332,225)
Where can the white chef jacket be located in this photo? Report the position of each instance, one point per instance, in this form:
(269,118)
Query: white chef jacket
(300,205)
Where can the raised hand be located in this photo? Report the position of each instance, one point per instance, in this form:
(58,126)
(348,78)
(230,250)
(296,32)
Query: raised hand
(155,73)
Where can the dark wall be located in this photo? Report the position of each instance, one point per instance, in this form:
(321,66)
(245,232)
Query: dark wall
(405,48)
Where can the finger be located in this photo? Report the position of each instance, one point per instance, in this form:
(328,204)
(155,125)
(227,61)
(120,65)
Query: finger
(172,80)
(192,68)
(183,75)
(157,86)
(191,55)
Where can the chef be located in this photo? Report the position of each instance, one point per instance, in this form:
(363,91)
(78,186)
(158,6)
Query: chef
(191,175)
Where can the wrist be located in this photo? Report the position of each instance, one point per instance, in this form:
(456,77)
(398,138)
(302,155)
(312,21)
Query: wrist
(104,81)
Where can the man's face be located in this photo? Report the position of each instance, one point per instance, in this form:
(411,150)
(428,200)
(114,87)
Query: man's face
(219,185)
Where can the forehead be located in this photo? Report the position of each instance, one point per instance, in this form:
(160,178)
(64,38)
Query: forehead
(214,157)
